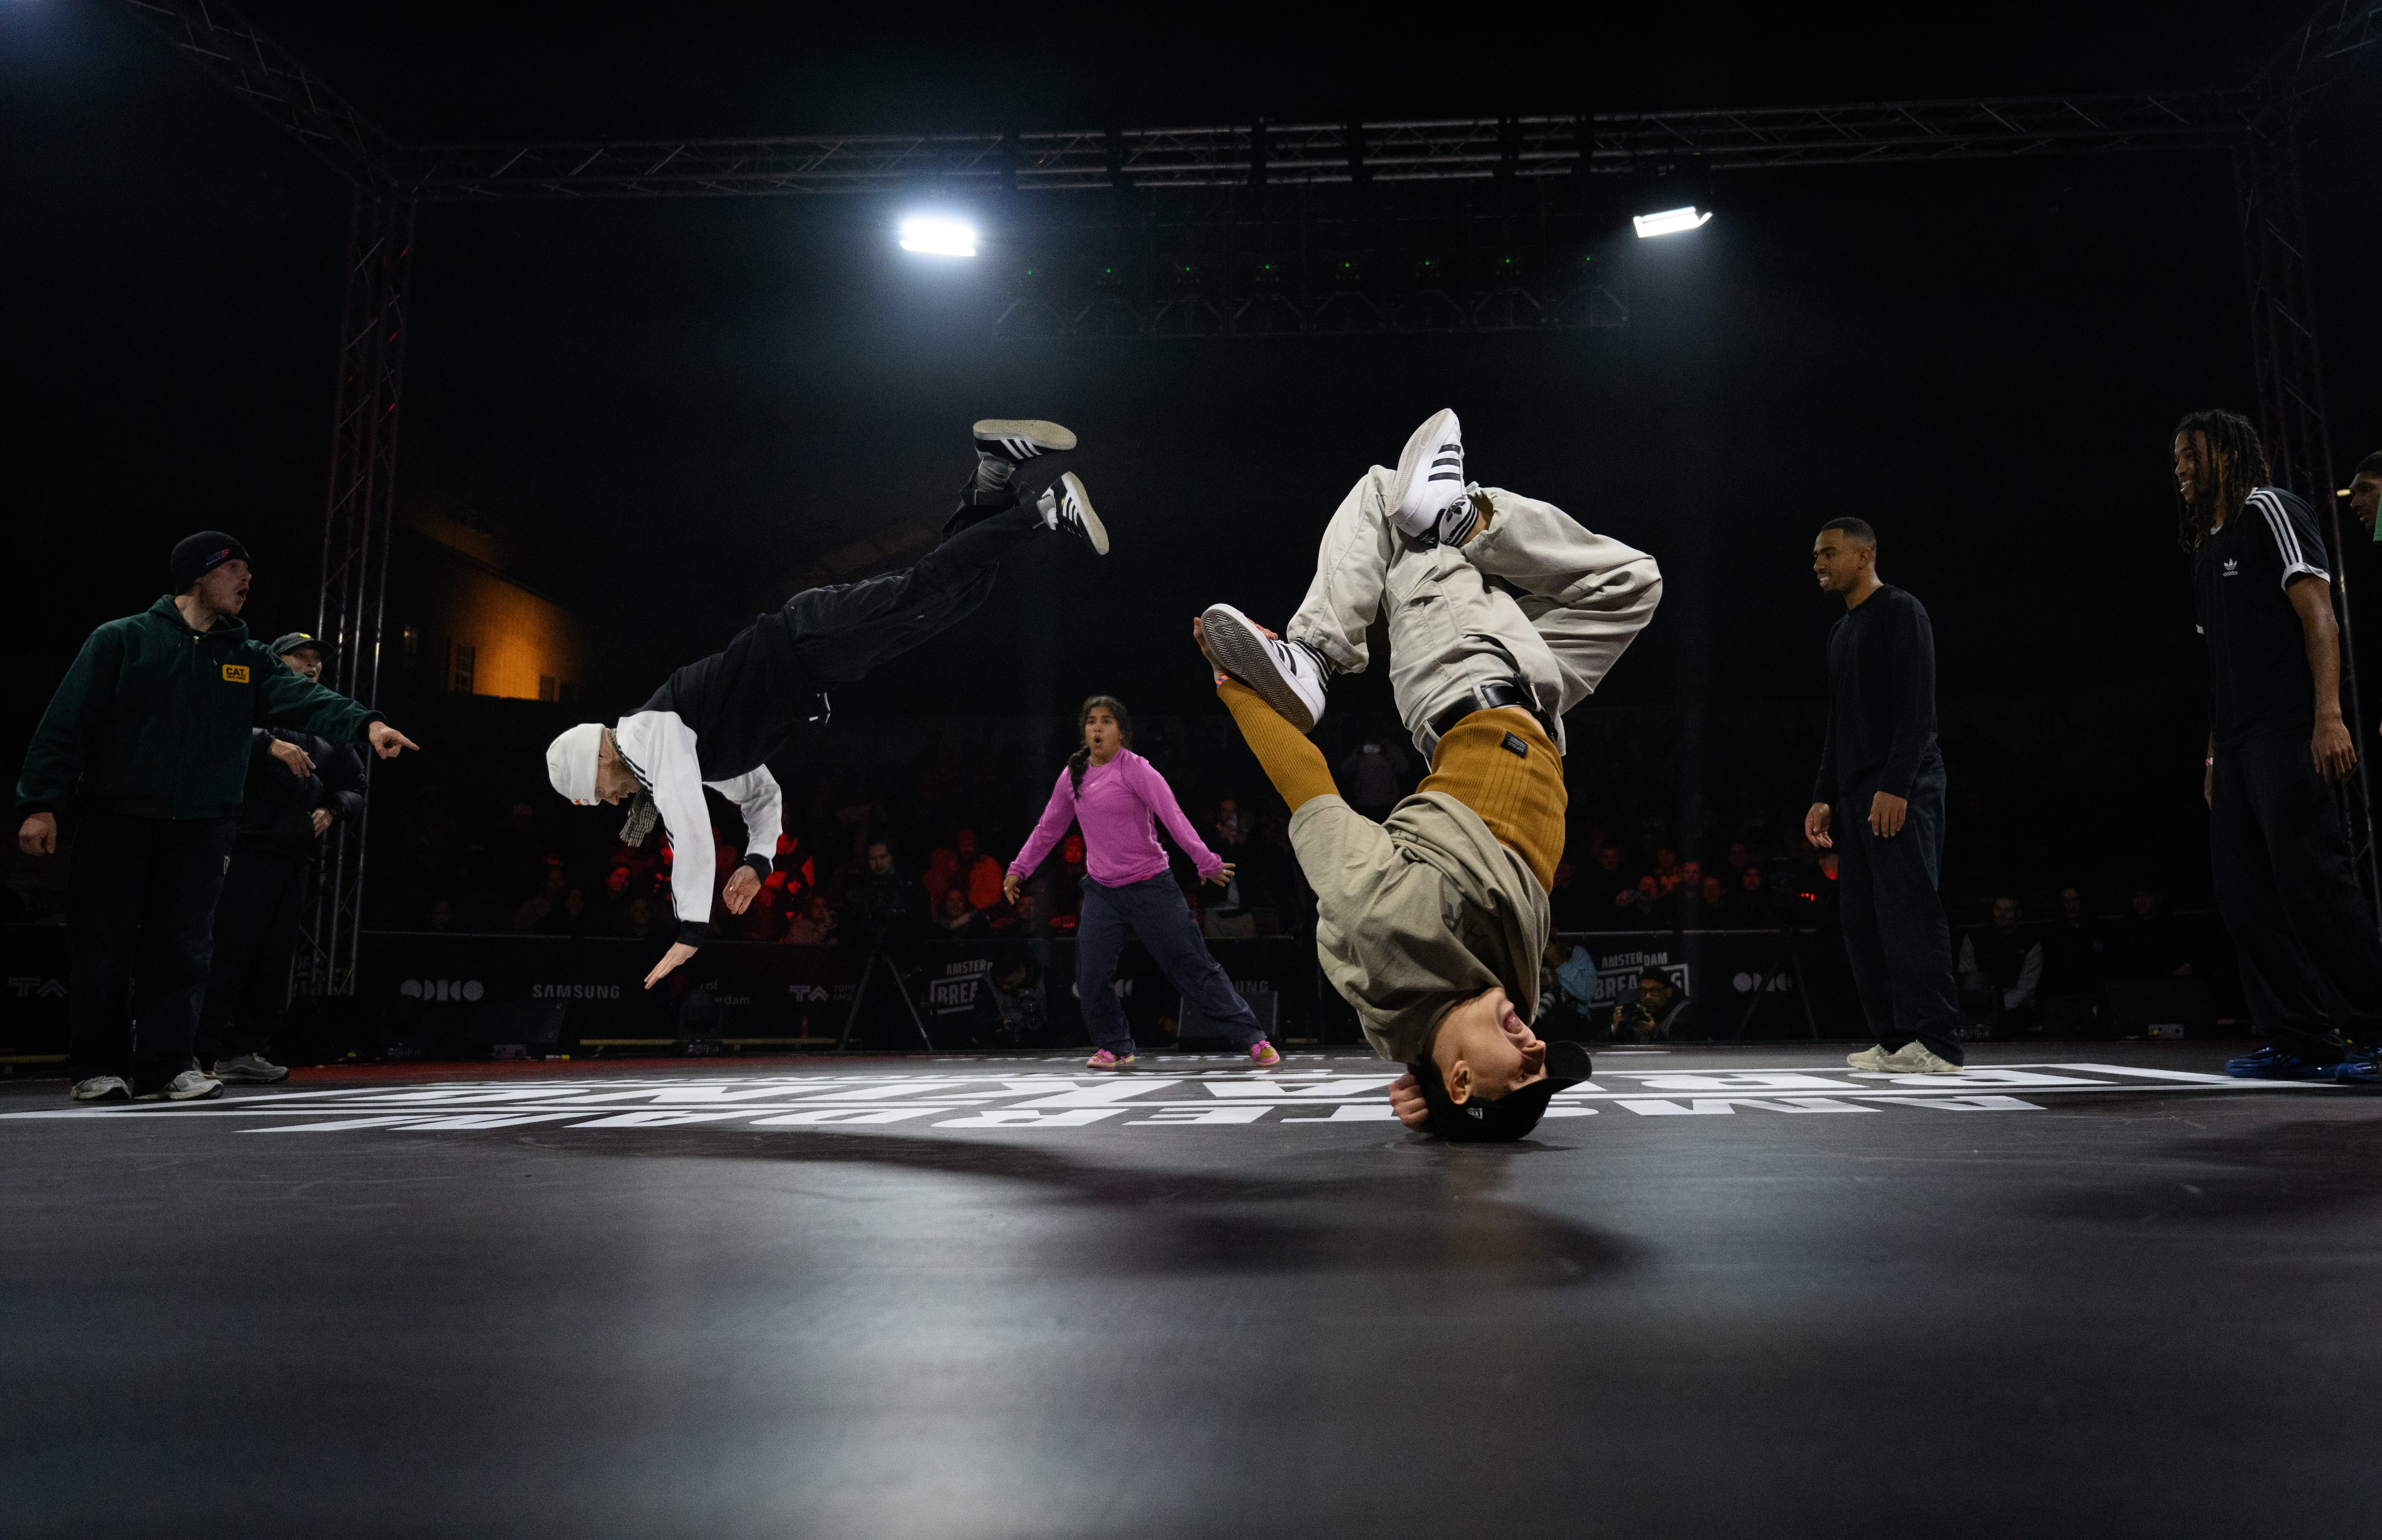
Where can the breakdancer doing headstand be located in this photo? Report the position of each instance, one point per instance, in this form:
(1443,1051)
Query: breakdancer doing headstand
(1431,923)
(715,722)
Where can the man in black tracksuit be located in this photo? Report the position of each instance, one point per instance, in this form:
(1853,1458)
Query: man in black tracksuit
(1881,790)
(148,736)
(298,786)
(2311,966)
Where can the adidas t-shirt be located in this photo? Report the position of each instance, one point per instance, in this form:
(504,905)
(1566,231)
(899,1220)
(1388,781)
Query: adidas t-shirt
(2258,679)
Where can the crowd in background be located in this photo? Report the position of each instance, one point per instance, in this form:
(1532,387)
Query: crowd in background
(1668,831)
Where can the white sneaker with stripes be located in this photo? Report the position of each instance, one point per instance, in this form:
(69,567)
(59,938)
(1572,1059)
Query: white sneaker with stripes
(1066,506)
(1429,499)
(1002,443)
(1291,677)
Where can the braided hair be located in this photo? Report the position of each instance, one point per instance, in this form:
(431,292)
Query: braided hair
(1080,761)
(2231,461)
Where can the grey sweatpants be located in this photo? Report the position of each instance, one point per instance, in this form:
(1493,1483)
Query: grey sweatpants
(1584,598)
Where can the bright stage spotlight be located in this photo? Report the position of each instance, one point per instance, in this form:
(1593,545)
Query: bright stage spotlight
(937,235)
(1670,221)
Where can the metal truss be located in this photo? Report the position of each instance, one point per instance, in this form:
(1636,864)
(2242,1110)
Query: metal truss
(274,82)
(357,520)
(1268,154)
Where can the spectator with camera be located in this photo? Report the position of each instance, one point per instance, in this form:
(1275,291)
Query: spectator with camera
(1659,1013)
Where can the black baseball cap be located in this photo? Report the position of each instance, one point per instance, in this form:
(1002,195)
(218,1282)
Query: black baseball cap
(284,645)
(1508,1117)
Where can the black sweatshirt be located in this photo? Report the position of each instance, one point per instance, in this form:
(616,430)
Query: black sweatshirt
(1881,697)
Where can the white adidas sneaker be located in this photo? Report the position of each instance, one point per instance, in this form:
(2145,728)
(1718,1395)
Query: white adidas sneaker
(1066,506)
(1291,677)
(1428,497)
(1002,443)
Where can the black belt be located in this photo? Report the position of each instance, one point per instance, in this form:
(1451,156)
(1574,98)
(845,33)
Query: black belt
(1488,697)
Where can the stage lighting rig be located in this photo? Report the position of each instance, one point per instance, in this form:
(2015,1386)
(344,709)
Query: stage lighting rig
(1669,222)
(936,235)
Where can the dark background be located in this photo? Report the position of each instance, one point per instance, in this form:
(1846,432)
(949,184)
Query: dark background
(667,407)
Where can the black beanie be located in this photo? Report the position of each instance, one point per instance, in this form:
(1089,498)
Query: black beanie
(201,553)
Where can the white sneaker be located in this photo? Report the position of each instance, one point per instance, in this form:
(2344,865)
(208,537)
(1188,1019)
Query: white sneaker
(1066,506)
(1288,676)
(102,1088)
(1002,443)
(1872,1057)
(1428,498)
(250,1070)
(190,1086)
(1915,1057)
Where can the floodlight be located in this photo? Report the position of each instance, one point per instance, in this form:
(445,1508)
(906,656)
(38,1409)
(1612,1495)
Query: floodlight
(1670,221)
(937,235)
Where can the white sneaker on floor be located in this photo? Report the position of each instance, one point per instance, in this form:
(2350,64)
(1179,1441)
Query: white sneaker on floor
(1002,443)
(1066,506)
(1915,1057)
(1429,497)
(250,1070)
(102,1088)
(1291,677)
(190,1086)
(1872,1057)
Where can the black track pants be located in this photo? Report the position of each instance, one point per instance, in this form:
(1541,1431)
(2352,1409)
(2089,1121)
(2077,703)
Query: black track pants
(838,633)
(141,910)
(1895,936)
(2310,962)
(256,929)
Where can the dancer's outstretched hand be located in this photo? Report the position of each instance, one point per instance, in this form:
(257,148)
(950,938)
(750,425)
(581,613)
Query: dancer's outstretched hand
(1406,1100)
(679,951)
(741,889)
(1009,887)
(1222,876)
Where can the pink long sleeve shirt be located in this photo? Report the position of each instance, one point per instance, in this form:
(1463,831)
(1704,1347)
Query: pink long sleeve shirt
(1115,808)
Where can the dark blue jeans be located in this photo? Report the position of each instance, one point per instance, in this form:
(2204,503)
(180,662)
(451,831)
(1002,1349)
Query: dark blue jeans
(1152,909)
(1895,933)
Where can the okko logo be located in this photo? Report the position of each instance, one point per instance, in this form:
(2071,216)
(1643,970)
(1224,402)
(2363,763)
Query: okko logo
(441,989)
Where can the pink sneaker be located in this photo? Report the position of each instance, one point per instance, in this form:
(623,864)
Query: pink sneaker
(1107,1060)
(1261,1054)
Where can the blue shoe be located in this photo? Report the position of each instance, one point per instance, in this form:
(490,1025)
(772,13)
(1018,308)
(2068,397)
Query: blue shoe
(2273,1064)
(2363,1068)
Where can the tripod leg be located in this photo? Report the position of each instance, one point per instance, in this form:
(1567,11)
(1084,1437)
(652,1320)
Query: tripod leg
(859,997)
(1810,1019)
(901,987)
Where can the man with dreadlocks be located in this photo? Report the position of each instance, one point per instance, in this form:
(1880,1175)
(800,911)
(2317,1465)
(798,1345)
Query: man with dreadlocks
(2277,849)
(715,722)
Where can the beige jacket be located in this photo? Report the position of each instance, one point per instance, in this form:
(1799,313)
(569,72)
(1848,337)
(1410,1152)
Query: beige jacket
(1418,914)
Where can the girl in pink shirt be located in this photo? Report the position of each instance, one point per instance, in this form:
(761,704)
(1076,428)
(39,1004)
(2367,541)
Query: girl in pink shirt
(1114,794)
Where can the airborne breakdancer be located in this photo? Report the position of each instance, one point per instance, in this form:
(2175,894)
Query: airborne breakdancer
(715,722)
(1431,923)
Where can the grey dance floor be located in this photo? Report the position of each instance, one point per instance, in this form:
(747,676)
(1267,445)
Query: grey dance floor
(2086,1289)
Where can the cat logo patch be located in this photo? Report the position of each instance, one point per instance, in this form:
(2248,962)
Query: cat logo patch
(1515,747)
(235,673)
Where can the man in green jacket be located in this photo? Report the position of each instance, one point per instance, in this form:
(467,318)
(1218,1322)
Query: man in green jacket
(148,735)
